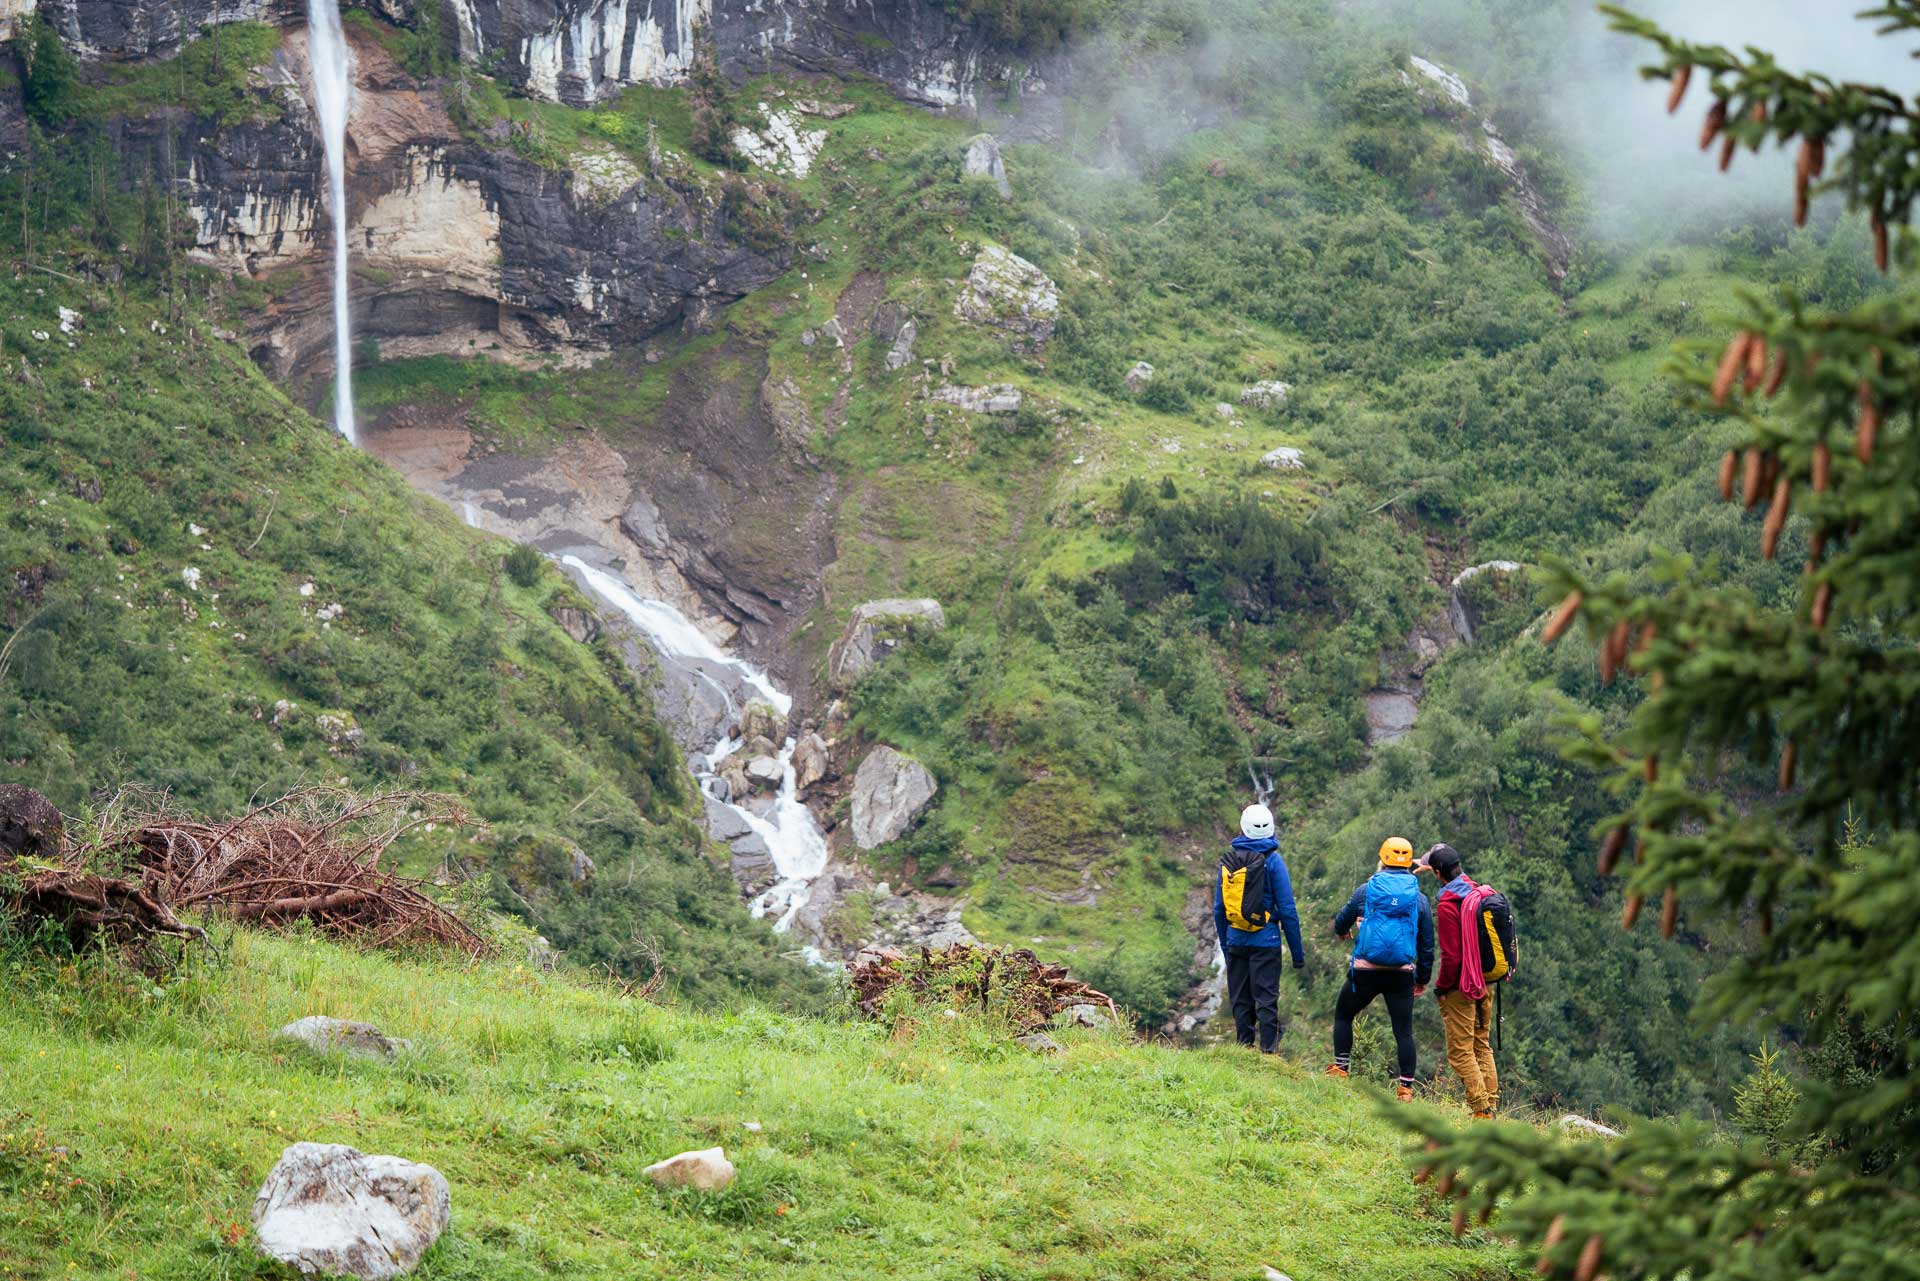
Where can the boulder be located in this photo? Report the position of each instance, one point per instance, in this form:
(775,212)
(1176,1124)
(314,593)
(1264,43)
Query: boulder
(1226,411)
(732,773)
(30,825)
(1265,395)
(765,773)
(1139,377)
(999,398)
(542,955)
(328,1208)
(1286,458)
(1040,1043)
(809,761)
(759,720)
(707,1170)
(983,161)
(1008,292)
(1086,1016)
(890,791)
(325,1035)
(876,628)
(900,355)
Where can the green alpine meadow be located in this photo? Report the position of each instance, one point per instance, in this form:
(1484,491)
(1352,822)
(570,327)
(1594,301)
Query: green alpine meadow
(994,640)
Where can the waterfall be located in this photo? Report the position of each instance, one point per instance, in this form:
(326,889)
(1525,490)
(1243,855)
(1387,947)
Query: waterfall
(332,88)
(794,840)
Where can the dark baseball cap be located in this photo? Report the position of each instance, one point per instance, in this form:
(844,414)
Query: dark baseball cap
(1442,858)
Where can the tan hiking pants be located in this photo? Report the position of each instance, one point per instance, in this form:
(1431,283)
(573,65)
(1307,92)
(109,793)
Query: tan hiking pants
(1469,1024)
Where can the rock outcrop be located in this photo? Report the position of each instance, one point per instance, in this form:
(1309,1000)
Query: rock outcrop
(585,51)
(890,792)
(1285,458)
(1465,599)
(328,1208)
(997,398)
(1556,247)
(324,1035)
(875,630)
(1390,715)
(1008,292)
(983,161)
(460,246)
(900,355)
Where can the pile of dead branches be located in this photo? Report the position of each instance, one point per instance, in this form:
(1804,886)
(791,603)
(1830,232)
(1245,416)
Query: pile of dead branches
(1012,982)
(311,855)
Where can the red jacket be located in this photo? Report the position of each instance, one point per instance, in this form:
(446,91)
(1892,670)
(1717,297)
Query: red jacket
(1446,929)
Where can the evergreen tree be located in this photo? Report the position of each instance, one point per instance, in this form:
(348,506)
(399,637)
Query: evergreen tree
(1820,407)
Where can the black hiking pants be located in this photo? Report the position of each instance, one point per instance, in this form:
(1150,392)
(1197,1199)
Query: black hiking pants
(1357,993)
(1253,989)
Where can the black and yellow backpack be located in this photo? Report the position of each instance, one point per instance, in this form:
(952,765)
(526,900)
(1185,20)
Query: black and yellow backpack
(1243,889)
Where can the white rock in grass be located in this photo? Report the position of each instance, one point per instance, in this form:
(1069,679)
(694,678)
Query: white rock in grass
(1270,1273)
(325,1035)
(1592,1129)
(707,1170)
(328,1208)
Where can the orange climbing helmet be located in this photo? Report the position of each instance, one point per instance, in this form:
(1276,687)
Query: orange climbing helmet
(1396,851)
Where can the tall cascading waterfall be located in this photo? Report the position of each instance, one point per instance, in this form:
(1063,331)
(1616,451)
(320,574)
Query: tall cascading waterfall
(332,90)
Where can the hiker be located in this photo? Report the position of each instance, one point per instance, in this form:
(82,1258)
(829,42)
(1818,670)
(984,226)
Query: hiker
(1252,905)
(1392,957)
(1475,925)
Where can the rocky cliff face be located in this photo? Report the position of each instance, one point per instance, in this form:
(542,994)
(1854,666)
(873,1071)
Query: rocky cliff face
(459,247)
(466,247)
(580,51)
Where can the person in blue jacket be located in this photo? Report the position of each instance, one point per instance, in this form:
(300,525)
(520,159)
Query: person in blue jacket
(1253,956)
(1392,957)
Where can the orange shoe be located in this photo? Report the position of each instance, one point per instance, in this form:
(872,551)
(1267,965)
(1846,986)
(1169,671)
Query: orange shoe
(1335,1070)
(1404,1093)
(1483,1116)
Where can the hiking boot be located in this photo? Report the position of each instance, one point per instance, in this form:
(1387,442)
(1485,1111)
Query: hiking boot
(1483,1116)
(1335,1070)
(1404,1093)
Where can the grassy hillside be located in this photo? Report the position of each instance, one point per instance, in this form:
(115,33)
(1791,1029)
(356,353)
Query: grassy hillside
(141,1117)
(212,594)
(1141,613)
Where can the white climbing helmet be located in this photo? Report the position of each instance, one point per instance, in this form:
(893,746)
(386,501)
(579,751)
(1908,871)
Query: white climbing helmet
(1256,821)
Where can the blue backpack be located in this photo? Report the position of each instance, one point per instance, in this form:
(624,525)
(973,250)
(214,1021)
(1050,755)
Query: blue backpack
(1390,927)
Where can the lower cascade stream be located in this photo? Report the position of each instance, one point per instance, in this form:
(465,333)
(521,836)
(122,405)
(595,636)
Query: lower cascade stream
(794,840)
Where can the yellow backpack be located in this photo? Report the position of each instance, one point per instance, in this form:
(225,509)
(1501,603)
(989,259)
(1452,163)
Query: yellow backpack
(1243,889)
